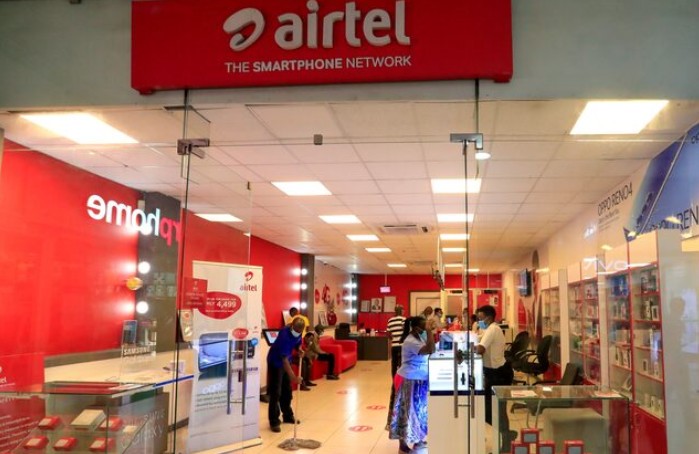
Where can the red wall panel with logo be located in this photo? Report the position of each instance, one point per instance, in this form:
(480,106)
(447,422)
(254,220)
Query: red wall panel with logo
(62,273)
(401,286)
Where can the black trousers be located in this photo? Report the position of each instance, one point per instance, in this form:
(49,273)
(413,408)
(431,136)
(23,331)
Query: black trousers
(279,392)
(501,376)
(395,364)
(329,357)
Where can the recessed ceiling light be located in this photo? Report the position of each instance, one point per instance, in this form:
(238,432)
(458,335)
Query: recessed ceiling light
(213,217)
(363,237)
(454,217)
(474,270)
(542,270)
(673,220)
(454,236)
(607,247)
(82,128)
(453,265)
(617,117)
(378,249)
(453,249)
(456,185)
(302,188)
(397,265)
(341,219)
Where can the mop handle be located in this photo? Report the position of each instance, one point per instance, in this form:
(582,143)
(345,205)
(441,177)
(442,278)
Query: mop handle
(298,393)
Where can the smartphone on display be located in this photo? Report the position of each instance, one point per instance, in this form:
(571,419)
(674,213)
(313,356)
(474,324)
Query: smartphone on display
(128,332)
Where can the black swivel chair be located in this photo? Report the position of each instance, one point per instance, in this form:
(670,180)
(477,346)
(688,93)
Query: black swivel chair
(518,345)
(534,363)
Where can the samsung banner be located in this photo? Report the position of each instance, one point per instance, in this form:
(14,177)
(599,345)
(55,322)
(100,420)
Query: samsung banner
(225,336)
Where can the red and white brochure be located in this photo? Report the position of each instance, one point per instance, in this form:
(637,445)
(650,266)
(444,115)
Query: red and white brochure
(65,444)
(38,442)
(102,444)
(49,423)
(113,423)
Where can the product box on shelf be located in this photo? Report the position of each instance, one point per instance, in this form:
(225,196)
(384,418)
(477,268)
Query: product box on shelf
(35,442)
(88,419)
(49,423)
(102,444)
(65,444)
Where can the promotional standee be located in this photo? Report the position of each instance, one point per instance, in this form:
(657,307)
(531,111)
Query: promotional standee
(225,333)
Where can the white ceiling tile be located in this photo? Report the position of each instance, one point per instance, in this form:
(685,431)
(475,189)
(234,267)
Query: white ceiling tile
(507,184)
(404,186)
(214,154)
(414,209)
(362,199)
(445,169)
(575,208)
(145,125)
(246,174)
(403,170)
(443,151)
(137,157)
(235,123)
(352,187)
(81,157)
(220,173)
(570,168)
(324,200)
(274,154)
(550,197)
(328,152)
(510,208)
(123,175)
(384,152)
(343,172)
(561,184)
(297,121)
(620,167)
(444,118)
(515,169)
(169,175)
(162,188)
(288,172)
(409,199)
(537,118)
(593,149)
(517,150)
(361,210)
(541,208)
(210,191)
(502,197)
(376,119)
(379,219)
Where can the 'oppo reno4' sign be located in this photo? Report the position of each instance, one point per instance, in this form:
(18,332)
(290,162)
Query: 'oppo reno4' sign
(238,43)
(113,212)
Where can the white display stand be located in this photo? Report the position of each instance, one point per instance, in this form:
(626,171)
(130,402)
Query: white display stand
(447,433)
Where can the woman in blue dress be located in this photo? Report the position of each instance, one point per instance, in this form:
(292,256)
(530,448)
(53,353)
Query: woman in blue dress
(409,419)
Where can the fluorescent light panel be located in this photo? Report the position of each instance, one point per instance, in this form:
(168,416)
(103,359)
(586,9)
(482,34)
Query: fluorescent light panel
(363,237)
(453,249)
(397,265)
(453,265)
(617,117)
(81,128)
(454,236)
(456,185)
(341,219)
(302,188)
(378,249)
(454,217)
(216,217)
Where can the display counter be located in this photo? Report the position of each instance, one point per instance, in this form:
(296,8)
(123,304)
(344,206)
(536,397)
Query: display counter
(563,419)
(454,416)
(86,417)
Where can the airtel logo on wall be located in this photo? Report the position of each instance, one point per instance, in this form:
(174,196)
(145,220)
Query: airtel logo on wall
(133,218)
(378,27)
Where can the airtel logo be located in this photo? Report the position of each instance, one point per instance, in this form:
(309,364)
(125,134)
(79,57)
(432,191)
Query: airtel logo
(378,27)
(249,275)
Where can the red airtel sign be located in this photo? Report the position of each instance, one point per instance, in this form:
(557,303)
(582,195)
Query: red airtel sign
(180,44)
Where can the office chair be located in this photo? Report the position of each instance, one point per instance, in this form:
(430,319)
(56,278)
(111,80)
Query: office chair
(517,346)
(533,363)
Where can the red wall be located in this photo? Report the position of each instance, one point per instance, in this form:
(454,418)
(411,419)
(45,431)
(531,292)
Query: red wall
(401,286)
(62,273)
(215,242)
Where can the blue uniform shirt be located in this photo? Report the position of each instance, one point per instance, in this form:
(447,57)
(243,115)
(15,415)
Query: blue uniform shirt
(282,347)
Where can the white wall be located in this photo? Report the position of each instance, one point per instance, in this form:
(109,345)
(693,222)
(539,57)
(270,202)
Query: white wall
(336,280)
(53,53)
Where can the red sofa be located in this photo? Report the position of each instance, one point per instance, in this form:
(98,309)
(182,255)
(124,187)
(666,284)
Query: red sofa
(345,352)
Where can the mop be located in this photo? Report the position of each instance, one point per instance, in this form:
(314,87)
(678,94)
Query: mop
(294,444)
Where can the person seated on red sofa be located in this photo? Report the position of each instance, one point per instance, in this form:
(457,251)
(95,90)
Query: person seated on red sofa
(313,352)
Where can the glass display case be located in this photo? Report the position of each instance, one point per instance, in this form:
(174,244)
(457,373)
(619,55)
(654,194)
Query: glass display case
(551,318)
(561,417)
(619,318)
(575,322)
(441,373)
(85,417)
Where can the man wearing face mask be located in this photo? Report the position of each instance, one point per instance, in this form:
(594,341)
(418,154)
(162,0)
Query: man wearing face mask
(496,371)
(280,376)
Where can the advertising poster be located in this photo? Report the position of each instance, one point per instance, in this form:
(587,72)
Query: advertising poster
(19,416)
(226,331)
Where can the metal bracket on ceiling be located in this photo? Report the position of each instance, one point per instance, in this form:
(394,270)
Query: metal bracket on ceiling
(186,147)
(475,138)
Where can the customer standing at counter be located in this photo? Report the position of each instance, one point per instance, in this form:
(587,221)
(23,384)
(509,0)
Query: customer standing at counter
(395,329)
(409,418)
(281,375)
(496,371)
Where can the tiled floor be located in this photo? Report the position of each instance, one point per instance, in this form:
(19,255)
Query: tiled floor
(346,416)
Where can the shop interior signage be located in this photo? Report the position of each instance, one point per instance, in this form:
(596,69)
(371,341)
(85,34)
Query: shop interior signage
(236,43)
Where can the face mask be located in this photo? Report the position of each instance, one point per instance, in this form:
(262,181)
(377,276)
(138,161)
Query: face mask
(482,324)
(295,334)
(423,336)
